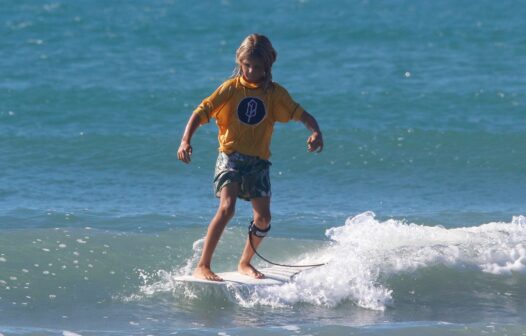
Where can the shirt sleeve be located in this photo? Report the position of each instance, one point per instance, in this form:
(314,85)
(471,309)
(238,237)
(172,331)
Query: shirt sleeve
(285,108)
(211,105)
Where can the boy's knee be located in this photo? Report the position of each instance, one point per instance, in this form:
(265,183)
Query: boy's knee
(227,209)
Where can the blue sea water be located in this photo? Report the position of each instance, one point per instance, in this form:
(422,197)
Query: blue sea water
(417,202)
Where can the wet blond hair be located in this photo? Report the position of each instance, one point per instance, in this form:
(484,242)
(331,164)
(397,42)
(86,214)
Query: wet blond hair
(259,47)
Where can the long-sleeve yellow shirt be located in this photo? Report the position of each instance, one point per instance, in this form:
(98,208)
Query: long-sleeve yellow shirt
(245,114)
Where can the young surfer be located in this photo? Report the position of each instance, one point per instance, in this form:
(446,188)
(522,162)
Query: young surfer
(245,108)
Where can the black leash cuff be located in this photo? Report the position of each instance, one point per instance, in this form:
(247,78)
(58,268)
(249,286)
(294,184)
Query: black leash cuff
(253,229)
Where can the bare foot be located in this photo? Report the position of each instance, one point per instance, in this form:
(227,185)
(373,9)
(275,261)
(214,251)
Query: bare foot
(249,270)
(206,273)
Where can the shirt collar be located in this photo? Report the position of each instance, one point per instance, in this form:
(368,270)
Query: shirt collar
(247,84)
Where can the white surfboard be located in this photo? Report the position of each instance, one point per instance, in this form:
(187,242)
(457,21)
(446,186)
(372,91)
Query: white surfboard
(275,275)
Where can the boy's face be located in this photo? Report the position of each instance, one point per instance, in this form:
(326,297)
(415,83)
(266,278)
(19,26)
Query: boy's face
(253,69)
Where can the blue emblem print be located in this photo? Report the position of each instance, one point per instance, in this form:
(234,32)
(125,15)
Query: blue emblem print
(251,110)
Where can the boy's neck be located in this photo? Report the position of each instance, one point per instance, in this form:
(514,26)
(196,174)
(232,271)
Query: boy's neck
(251,85)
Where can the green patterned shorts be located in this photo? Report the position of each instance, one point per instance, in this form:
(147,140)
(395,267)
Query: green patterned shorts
(252,173)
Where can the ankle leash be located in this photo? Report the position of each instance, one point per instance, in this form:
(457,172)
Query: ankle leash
(254,230)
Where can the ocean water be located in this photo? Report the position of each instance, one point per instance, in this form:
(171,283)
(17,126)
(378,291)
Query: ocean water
(417,203)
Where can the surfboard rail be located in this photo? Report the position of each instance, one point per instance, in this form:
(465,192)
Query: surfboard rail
(274,275)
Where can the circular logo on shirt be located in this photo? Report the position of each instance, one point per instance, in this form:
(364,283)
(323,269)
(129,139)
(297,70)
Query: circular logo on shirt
(251,110)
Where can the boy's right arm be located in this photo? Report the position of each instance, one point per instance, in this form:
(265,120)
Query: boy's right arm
(202,114)
(185,149)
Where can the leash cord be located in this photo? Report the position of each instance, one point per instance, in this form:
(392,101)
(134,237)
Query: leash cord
(277,264)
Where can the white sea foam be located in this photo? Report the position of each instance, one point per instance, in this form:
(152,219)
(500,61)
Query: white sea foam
(162,280)
(365,251)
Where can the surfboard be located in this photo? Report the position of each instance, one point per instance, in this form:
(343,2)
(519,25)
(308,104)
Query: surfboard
(274,275)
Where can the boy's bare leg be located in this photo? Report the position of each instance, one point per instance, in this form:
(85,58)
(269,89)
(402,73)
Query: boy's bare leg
(225,212)
(261,208)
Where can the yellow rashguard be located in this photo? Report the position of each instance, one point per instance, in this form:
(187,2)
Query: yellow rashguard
(245,115)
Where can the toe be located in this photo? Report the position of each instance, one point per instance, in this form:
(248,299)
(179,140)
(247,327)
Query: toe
(214,277)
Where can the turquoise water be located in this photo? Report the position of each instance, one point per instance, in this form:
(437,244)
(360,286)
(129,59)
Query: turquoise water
(417,202)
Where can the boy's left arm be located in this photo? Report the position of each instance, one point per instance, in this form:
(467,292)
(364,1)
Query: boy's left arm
(315,140)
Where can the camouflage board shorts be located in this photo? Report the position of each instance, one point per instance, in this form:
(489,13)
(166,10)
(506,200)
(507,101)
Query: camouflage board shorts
(252,173)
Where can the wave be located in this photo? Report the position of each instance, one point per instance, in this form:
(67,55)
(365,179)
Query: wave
(366,251)
(371,263)
(366,258)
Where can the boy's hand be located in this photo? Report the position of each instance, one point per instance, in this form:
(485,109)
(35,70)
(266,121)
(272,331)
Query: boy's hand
(185,152)
(315,142)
